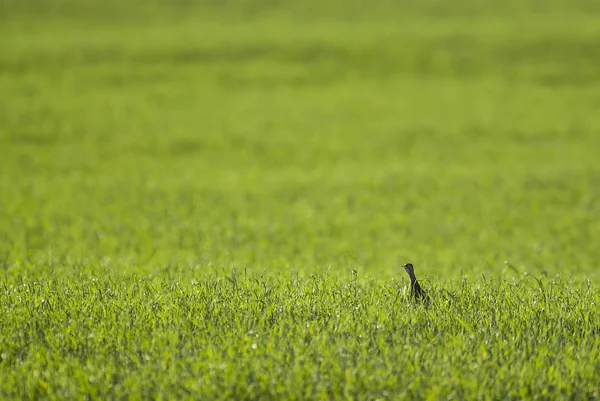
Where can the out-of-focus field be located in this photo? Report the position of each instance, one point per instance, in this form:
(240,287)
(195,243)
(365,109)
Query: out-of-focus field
(178,178)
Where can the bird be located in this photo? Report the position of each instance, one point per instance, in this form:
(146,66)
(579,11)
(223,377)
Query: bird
(415,288)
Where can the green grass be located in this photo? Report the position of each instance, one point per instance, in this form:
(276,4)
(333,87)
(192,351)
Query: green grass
(319,337)
(183,180)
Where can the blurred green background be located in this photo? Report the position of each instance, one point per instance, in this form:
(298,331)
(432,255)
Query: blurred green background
(300,136)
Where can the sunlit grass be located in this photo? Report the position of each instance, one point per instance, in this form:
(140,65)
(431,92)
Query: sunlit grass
(213,199)
(244,336)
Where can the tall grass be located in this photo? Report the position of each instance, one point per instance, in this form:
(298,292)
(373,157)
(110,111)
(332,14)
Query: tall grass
(243,336)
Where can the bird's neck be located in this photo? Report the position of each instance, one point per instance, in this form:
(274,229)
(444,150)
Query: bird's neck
(412,276)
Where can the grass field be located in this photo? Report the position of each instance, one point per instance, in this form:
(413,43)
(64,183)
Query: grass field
(212,200)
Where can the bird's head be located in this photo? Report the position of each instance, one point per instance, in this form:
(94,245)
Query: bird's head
(408,267)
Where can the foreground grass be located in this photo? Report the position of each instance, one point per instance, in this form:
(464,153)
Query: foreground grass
(315,337)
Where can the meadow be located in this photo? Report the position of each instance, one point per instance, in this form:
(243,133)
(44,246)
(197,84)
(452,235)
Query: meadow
(213,199)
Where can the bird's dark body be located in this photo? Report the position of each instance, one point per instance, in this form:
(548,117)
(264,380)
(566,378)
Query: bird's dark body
(416,291)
